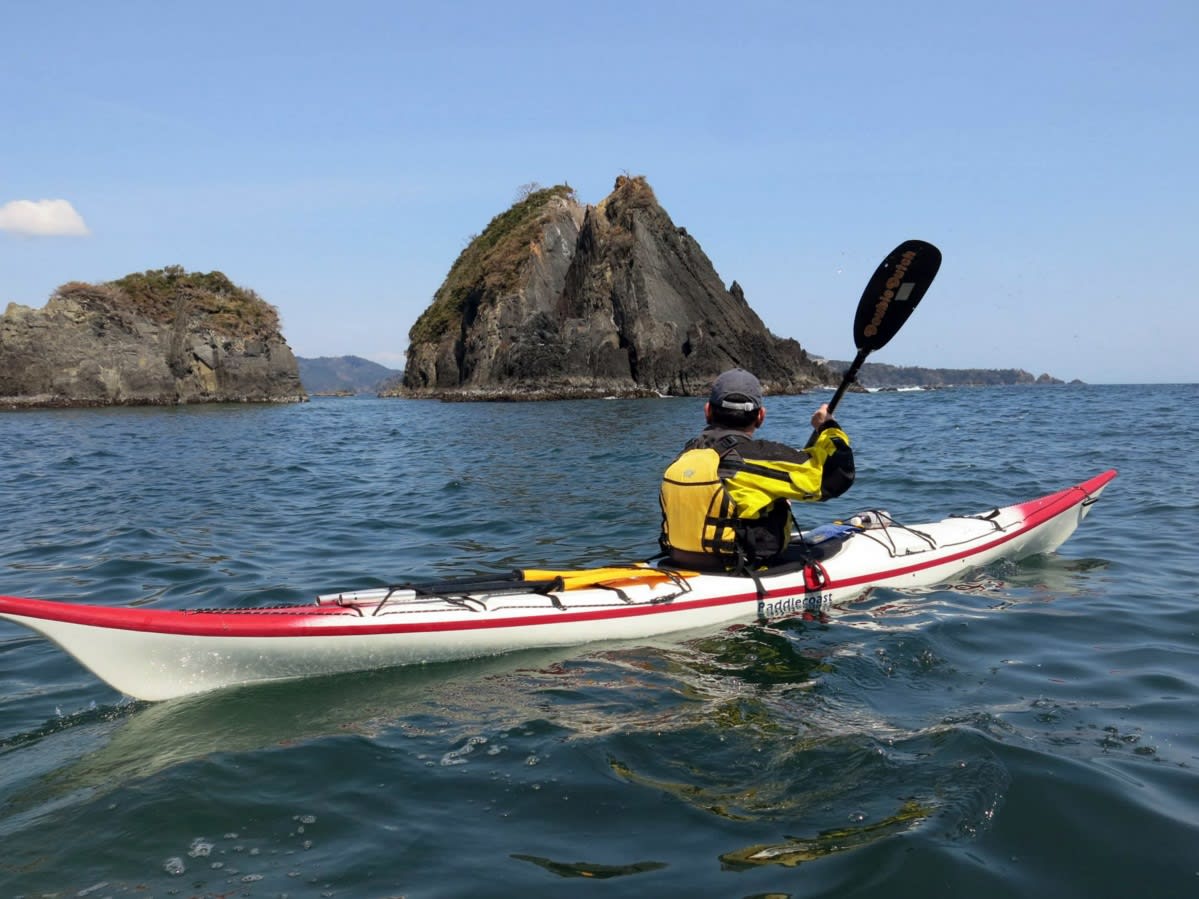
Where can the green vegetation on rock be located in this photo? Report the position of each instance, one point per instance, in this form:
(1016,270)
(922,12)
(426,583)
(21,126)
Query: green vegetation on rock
(162,295)
(491,262)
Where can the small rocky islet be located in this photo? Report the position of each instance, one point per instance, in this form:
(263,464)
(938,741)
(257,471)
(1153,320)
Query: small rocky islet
(555,299)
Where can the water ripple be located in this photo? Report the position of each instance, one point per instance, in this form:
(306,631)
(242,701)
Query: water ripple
(978,738)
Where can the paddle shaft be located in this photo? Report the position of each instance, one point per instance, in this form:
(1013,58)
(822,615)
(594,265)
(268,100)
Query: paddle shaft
(846,380)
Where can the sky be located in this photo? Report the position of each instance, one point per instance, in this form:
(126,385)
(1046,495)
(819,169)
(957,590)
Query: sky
(337,157)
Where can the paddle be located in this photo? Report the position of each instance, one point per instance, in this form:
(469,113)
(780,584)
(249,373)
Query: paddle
(890,298)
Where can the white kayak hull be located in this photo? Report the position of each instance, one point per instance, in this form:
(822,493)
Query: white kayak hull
(156,654)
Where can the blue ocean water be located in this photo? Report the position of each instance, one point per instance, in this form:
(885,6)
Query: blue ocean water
(1029,732)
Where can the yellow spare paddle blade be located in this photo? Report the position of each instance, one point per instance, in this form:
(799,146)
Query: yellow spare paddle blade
(611,576)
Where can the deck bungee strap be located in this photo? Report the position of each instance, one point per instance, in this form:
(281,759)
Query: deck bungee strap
(512,583)
(678,578)
(882,535)
(984,516)
(465,592)
(457,591)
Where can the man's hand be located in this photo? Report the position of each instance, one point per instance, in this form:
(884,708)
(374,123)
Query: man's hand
(820,416)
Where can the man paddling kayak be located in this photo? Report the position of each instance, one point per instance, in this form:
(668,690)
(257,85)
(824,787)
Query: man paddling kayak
(725,498)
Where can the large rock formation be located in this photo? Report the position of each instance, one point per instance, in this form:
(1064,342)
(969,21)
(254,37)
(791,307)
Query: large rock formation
(161,337)
(557,299)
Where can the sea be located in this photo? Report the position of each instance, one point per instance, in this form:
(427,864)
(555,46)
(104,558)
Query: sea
(1032,730)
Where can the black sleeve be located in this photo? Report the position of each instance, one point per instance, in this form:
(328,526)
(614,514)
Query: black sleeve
(838,472)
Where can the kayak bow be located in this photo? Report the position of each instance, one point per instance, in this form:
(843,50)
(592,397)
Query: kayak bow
(156,654)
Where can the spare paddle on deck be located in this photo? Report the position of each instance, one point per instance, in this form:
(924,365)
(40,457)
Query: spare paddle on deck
(890,297)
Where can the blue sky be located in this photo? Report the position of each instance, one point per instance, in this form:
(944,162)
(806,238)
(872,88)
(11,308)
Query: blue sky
(336,157)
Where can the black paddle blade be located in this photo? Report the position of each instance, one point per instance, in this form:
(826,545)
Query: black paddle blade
(891,296)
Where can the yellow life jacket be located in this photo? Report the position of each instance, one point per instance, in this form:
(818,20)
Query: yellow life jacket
(698,512)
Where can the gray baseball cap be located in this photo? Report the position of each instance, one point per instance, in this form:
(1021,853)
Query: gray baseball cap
(737,391)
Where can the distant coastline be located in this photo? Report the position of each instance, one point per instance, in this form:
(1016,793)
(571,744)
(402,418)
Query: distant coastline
(882,376)
(343,376)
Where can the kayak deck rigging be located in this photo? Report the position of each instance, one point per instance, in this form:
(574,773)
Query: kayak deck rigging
(474,594)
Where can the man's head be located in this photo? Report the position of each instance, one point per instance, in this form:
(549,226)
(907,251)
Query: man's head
(736,400)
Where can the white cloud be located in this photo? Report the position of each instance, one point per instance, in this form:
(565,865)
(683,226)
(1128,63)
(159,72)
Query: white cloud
(42,218)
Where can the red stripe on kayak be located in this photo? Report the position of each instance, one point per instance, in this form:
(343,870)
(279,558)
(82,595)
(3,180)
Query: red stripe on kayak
(242,623)
(304,620)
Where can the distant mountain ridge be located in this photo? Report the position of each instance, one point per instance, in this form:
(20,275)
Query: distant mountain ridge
(879,374)
(343,375)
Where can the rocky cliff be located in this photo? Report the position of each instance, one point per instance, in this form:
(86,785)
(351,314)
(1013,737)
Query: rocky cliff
(160,337)
(558,299)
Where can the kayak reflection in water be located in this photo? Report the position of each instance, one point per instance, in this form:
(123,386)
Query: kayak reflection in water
(725,498)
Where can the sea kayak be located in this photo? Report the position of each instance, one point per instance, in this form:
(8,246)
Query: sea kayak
(156,654)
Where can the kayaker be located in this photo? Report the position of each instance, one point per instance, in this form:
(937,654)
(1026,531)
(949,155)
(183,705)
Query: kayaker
(725,498)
